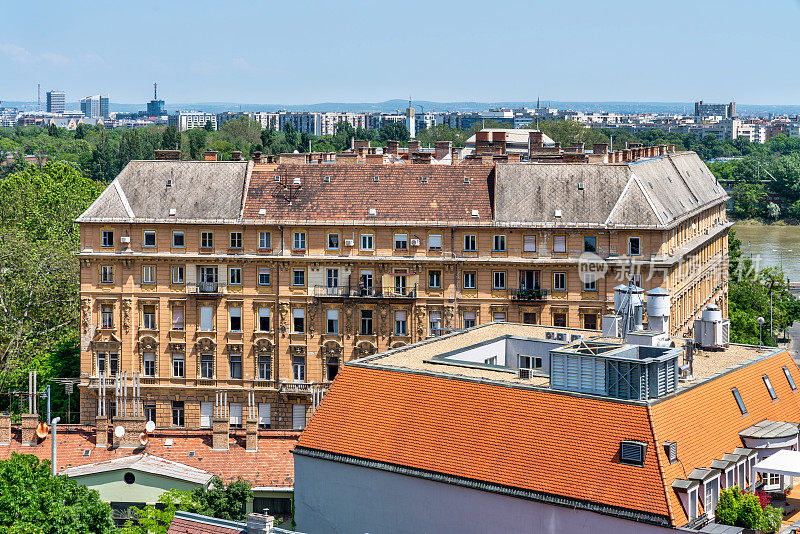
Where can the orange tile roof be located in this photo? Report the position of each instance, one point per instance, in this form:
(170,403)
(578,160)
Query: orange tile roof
(272,465)
(351,192)
(541,440)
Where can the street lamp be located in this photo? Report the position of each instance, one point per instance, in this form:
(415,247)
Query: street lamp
(760,322)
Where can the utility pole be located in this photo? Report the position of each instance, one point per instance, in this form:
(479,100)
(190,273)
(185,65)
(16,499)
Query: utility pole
(53,458)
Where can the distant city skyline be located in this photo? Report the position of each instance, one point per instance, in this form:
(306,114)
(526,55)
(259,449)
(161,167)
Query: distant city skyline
(366,52)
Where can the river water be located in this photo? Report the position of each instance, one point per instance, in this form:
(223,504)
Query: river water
(772,246)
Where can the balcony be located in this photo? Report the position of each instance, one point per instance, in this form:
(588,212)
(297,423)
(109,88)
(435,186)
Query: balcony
(386,292)
(303,388)
(529,295)
(205,288)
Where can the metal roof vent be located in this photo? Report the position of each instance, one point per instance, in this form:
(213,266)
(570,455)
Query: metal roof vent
(172,212)
(424,179)
(296,180)
(632,452)
(262,211)
(191,454)
(671,450)
(326,179)
(580,186)
(277,178)
(558,213)
(86,453)
(374,178)
(373,211)
(168,442)
(475,213)
(169,182)
(466,179)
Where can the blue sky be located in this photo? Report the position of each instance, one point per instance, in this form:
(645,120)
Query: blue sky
(295,52)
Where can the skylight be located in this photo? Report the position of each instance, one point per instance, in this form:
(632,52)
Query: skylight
(769,387)
(789,378)
(739,400)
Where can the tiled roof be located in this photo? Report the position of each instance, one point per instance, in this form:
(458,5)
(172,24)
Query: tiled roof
(270,466)
(188,523)
(399,193)
(144,462)
(548,442)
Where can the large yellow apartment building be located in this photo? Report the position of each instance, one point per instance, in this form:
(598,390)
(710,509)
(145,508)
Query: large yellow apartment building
(240,276)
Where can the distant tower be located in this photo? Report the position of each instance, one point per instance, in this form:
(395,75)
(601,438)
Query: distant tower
(537,102)
(155,91)
(38,97)
(411,120)
(155,108)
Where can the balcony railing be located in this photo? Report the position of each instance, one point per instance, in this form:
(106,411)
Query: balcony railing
(529,294)
(386,292)
(205,288)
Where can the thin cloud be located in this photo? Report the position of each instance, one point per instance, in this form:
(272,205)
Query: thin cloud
(22,56)
(244,66)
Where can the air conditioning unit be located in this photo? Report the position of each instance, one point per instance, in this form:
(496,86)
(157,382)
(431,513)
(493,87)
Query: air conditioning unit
(125,239)
(348,242)
(561,336)
(525,374)
(550,335)
(575,337)
(414,242)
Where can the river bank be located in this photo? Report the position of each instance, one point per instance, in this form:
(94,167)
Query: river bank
(773,245)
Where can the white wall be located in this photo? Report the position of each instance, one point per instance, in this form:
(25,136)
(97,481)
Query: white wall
(481,354)
(332,497)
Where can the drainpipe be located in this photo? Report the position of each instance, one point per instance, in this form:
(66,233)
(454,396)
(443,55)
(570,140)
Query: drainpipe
(53,458)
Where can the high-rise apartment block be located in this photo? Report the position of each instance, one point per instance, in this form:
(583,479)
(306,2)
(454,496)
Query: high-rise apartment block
(705,109)
(56,101)
(95,106)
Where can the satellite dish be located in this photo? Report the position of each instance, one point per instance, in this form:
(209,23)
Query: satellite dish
(144,438)
(150,426)
(119,431)
(41,430)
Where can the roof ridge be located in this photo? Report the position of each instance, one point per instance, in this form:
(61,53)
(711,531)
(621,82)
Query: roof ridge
(620,197)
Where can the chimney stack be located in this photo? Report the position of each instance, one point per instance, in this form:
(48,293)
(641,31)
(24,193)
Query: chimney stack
(236,155)
(392,147)
(5,429)
(259,523)
(210,155)
(671,148)
(535,139)
(600,148)
(358,144)
(220,425)
(171,155)
(442,149)
(413,147)
(251,423)
(256,157)
(454,156)
(270,158)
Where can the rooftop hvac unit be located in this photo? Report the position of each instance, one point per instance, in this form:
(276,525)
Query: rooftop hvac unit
(561,336)
(550,335)
(575,337)
(348,242)
(414,242)
(612,326)
(125,239)
(525,374)
(711,331)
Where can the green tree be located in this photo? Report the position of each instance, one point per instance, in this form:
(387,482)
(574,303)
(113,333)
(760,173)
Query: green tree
(156,519)
(750,512)
(31,500)
(80,131)
(224,502)
(730,500)
(197,142)
(773,211)
(396,131)
(291,137)
(209,127)
(170,138)
(748,200)
(52,130)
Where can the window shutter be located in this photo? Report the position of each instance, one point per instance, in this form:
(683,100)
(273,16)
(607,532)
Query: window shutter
(632,452)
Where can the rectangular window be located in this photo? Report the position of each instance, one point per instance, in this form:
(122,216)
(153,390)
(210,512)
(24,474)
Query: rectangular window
(400,323)
(634,246)
(333,241)
(499,280)
(206,366)
(236,319)
(265,367)
(206,239)
(469,319)
(499,317)
(589,281)
(206,414)
(298,277)
(469,280)
(263,319)
(148,274)
(739,401)
(177,317)
(235,276)
(332,278)
(107,317)
(177,413)
(559,243)
(178,275)
(178,369)
(236,366)
(401,241)
(367,242)
(149,364)
(299,241)
(299,320)
(299,368)
(333,322)
(107,274)
(108,238)
(632,453)
(264,417)
(470,243)
(177,238)
(435,242)
(435,323)
(590,321)
(366,322)
(332,367)
(150,412)
(206,318)
(559,281)
(236,240)
(149,238)
(560,319)
(770,389)
(529,318)
(789,378)
(101,363)
(365,282)
(499,243)
(113,363)
(264,240)
(298,416)
(208,275)
(435,279)
(149,317)
(529,362)
(590,244)
(529,243)
(264,276)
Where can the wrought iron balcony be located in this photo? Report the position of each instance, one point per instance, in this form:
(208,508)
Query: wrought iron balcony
(386,292)
(205,288)
(529,294)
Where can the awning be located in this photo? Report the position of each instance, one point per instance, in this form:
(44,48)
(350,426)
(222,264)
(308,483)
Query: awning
(783,462)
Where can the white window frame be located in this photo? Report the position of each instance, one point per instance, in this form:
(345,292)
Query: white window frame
(589,281)
(178,361)
(559,275)
(181,235)
(499,280)
(366,242)
(207,366)
(529,243)
(234,312)
(470,243)
(437,274)
(264,276)
(207,317)
(264,240)
(107,274)
(107,242)
(148,274)
(298,313)
(472,277)
(401,239)
(560,243)
(499,243)
(400,325)
(178,274)
(435,242)
(145,235)
(264,313)
(294,277)
(639,241)
(236,240)
(206,239)
(149,361)
(469,319)
(299,241)
(332,321)
(337,243)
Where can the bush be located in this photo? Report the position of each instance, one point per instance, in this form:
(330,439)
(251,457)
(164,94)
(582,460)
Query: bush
(728,506)
(750,512)
(771,519)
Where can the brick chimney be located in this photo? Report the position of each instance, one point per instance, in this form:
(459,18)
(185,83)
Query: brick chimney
(210,155)
(133,427)
(251,434)
(220,428)
(535,139)
(483,136)
(346,158)
(671,148)
(259,523)
(421,158)
(101,431)
(236,155)
(270,158)
(359,144)
(29,423)
(256,157)
(168,155)
(626,154)
(454,155)
(374,159)
(5,428)
(662,149)
(392,147)
(442,149)
(600,148)
(413,147)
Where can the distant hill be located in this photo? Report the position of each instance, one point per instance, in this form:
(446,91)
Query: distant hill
(389,106)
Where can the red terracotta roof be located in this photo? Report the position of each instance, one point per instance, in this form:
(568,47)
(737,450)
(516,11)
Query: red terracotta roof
(542,440)
(272,465)
(352,191)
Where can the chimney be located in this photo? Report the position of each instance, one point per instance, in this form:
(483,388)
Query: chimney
(210,155)
(346,158)
(29,423)
(421,158)
(626,154)
(256,157)
(454,156)
(251,437)
(374,159)
(270,158)
(442,149)
(259,523)
(236,155)
(662,149)
(482,136)
(671,148)
(359,144)
(133,426)
(220,428)
(535,139)
(101,431)
(557,145)
(392,147)
(5,429)
(172,155)
(600,148)
(413,147)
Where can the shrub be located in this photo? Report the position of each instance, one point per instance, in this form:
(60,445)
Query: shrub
(763,498)
(728,506)
(750,512)
(771,519)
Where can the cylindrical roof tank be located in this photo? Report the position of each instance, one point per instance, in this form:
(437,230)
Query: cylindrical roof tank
(621,295)
(658,302)
(712,313)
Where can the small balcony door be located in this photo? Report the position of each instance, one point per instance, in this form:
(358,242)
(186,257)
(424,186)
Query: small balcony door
(529,280)
(400,284)
(333,281)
